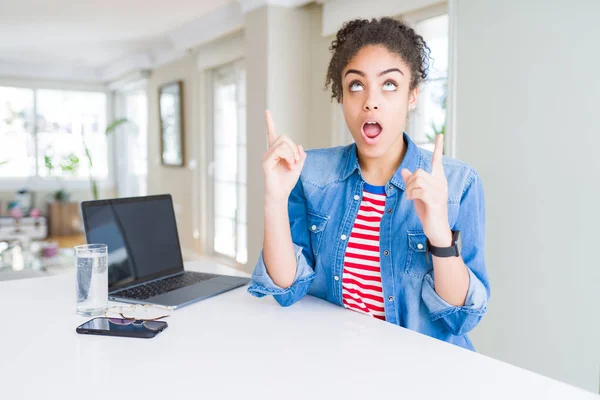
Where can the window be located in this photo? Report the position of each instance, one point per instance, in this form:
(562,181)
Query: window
(132,142)
(17,145)
(51,144)
(228,166)
(65,121)
(429,118)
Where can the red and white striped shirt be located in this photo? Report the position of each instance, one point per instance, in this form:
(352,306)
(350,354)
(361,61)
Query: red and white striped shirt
(361,280)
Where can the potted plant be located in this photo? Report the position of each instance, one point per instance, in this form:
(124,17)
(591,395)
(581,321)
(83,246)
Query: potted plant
(63,214)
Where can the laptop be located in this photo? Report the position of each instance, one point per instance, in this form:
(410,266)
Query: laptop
(144,256)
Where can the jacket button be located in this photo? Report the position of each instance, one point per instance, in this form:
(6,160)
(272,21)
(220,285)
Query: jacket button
(391,298)
(386,253)
(314,227)
(420,246)
(337,278)
(356,197)
(343,237)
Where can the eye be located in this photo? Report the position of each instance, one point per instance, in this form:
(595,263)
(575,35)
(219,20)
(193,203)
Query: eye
(390,86)
(356,86)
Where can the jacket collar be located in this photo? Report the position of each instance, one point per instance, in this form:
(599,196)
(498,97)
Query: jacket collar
(411,161)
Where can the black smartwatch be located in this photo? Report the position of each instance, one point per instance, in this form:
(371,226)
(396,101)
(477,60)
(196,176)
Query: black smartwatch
(445,252)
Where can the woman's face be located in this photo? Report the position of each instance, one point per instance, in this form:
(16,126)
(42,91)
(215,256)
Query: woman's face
(376,99)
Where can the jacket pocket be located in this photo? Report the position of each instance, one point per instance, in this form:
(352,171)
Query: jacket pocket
(416,259)
(316,226)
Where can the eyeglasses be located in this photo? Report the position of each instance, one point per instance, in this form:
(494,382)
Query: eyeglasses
(138,312)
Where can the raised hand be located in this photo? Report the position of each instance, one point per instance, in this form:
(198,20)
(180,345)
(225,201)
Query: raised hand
(429,191)
(282,164)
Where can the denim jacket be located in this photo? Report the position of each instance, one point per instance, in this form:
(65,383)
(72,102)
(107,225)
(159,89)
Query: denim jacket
(323,206)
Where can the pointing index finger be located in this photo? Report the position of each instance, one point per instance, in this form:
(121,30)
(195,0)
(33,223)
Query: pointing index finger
(271,135)
(437,165)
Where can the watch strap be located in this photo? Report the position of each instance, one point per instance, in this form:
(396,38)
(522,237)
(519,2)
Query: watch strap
(445,252)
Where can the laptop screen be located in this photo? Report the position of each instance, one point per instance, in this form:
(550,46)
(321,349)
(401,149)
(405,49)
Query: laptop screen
(141,235)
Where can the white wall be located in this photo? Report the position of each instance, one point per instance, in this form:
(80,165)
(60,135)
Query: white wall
(320,129)
(288,66)
(176,181)
(255,35)
(278,46)
(527,97)
(336,12)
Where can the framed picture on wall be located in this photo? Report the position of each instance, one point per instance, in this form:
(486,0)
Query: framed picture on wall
(170,104)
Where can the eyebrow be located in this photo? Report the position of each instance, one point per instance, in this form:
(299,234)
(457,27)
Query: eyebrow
(387,71)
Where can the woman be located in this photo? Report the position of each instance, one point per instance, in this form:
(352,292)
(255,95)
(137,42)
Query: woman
(373,226)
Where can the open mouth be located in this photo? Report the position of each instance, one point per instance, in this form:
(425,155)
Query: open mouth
(371,129)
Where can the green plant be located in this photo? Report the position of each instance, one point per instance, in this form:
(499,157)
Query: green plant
(68,165)
(436,131)
(49,163)
(61,195)
(441,130)
(13,115)
(3,162)
(109,129)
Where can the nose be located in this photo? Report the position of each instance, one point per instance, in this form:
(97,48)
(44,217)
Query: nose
(371,104)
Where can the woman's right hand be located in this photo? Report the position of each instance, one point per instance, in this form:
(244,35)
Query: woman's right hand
(282,164)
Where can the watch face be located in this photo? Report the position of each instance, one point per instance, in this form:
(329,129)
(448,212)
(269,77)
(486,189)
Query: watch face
(455,236)
(456,249)
(457,243)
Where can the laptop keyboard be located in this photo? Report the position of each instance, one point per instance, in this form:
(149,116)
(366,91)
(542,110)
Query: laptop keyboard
(156,288)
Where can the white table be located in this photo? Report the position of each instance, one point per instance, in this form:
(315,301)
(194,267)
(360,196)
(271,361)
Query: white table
(237,346)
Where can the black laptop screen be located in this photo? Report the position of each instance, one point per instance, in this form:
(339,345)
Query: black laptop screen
(141,235)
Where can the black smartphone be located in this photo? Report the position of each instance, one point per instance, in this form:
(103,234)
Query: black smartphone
(122,327)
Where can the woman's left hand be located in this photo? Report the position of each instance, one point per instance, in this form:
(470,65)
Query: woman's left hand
(430,194)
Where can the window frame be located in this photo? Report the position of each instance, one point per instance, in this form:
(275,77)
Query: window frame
(437,10)
(38,183)
(119,103)
(413,19)
(234,65)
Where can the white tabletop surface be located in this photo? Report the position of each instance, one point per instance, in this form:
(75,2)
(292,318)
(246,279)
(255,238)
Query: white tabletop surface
(236,346)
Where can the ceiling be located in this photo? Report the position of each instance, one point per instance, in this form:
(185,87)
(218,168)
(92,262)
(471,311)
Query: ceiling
(90,35)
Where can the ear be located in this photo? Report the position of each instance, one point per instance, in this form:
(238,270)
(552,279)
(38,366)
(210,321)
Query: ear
(412,98)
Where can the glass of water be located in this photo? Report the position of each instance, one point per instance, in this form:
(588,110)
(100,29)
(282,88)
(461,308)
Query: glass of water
(92,279)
